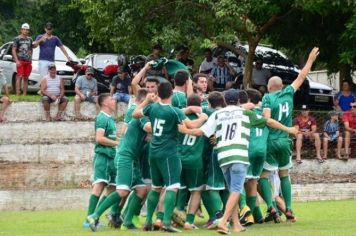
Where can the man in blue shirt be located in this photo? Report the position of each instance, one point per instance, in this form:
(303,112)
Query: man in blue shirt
(48,43)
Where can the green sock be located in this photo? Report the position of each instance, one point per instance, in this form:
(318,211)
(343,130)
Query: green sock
(152,201)
(116,209)
(169,203)
(132,209)
(224,196)
(102,199)
(182,199)
(113,198)
(216,202)
(190,218)
(159,215)
(128,204)
(93,201)
(266,191)
(257,214)
(286,187)
(251,202)
(242,202)
(205,197)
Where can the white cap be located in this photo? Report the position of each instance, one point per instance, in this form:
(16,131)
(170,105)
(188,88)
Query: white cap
(25,26)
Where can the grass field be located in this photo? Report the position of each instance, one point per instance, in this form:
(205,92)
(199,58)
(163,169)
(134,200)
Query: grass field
(314,218)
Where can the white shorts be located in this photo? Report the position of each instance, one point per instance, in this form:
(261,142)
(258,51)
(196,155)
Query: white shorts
(43,67)
(275,183)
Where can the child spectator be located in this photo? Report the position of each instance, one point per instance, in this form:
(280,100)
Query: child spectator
(331,134)
(4,99)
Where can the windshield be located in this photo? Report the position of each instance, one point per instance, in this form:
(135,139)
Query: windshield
(273,58)
(103,60)
(59,56)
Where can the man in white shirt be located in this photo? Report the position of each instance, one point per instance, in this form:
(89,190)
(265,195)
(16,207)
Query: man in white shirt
(208,63)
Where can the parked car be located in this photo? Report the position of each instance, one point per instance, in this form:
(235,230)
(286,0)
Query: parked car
(64,71)
(316,95)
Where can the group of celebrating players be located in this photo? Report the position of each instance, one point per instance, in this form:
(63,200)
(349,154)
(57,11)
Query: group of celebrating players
(180,147)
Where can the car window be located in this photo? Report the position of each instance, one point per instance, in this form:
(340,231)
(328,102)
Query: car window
(272,58)
(4,50)
(103,60)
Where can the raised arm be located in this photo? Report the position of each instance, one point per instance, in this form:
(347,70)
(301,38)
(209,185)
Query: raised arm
(138,112)
(306,69)
(135,83)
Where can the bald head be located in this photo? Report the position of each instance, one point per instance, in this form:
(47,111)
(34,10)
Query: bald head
(274,84)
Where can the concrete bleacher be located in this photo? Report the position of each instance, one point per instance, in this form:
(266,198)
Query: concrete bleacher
(41,162)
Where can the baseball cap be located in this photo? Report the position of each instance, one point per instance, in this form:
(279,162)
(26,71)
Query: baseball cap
(333,113)
(25,26)
(49,25)
(231,96)
(89,70)
(51,66)
(305,107)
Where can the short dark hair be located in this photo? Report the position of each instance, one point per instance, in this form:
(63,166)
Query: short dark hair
(157,46)
(152,79)
(197,76)
(221,57)
(180,77)
(165,90)
(49,25)
(141,94)
(216,99)
(102,97)
(207,50)
(242,97)
(254,95)
(194,100)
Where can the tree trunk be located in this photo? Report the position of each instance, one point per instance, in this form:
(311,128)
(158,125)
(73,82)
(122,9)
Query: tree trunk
(247,80)
(345,74)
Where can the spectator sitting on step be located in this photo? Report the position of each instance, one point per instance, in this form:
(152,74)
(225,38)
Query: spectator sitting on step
(86,90)
(52,88)
(349,119)
(4,99)
(332,134)
(120,87)
(306,125)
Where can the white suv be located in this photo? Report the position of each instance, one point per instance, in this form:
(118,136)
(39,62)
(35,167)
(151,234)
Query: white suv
(9,67)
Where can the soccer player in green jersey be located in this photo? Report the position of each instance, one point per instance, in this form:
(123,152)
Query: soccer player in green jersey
(183,88)
(200,85)
(105,150)
(278,104)
(164,162)
(231,126)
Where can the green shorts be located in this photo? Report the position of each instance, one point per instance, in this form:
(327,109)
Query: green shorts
(128,175)
(257,159)
(104,170)
(215,176)
(279,154)
(192,179)
(145,166)
(165,172)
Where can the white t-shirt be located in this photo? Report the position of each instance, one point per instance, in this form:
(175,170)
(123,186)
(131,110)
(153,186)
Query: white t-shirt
(259,77)
(206,66)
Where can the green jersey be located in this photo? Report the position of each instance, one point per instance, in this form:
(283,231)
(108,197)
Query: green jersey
(190,149)
(281,105)
(231,126)
(259,137)
(164,120)
(106,123)
(204,102)
(179,99)
(134,138)
(128,115)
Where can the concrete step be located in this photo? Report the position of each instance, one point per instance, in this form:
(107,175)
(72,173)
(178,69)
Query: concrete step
(78,198)
(74,153)
(33,111)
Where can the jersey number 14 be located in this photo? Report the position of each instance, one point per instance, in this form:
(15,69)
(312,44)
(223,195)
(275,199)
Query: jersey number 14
(283,111)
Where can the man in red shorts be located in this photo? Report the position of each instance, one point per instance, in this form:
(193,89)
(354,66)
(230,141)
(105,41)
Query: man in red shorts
(349,119)
(22,54)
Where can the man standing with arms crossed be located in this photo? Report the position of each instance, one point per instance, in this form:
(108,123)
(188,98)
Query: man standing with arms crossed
(278,104)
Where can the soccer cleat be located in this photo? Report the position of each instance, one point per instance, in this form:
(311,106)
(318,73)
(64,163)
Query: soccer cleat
(170,229)
(213,225)
(136,221)
(128,227)
(179,217)
(219,214)
(244,212)
(272,215)
(247,220)
(188,226)
(147,227)
(290,216)
(93,222)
